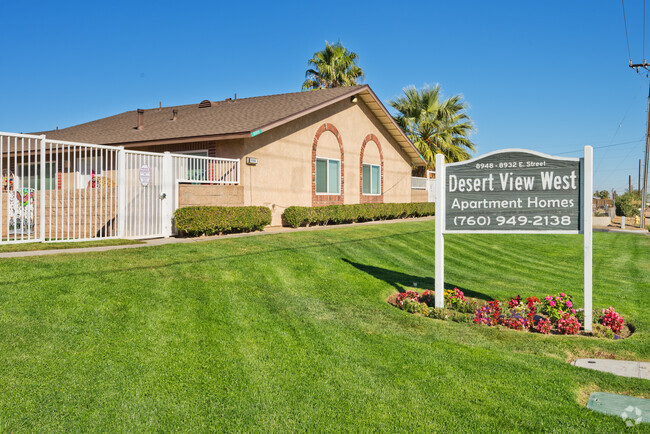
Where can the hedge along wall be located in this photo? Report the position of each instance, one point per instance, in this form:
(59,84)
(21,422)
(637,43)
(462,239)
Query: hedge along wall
(210,220)
(296,216)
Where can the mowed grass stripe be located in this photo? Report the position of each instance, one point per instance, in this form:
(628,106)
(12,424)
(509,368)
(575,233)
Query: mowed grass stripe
(292,332)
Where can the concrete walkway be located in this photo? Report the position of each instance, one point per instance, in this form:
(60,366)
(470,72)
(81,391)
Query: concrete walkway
(173,240)
(623,368)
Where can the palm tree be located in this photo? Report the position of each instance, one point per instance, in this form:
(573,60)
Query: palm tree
(435,126)
(335,66)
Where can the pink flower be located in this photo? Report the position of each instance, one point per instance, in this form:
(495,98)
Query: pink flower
(561,294)
(552,303)
(548,297)
(569,304)
(573,311)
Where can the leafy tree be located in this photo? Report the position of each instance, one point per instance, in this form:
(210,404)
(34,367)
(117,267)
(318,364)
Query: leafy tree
(602,194)
(628,204)
(433,125)
(335,66)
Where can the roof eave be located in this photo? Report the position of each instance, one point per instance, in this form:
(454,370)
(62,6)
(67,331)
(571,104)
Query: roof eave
(188,139)
(279,122)
(380,111)
(391,126)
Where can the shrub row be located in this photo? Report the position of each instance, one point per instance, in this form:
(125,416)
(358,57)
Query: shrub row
(210,220)
(296,216)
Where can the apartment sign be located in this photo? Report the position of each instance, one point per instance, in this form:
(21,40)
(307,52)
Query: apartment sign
(513,191)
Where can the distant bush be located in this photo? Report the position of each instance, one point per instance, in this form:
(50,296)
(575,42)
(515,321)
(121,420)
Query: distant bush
(210,220)
(628,204)
(296,216)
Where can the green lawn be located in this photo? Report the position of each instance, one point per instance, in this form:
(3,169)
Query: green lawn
(28,247)
(291,332)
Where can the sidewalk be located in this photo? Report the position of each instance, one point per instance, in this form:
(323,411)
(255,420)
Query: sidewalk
(173,240)
(623,368)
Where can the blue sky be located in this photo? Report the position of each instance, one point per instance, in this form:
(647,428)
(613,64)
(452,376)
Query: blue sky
(550,76)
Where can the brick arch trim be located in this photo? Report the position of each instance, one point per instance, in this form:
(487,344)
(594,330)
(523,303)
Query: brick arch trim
(366,198)
(326,199)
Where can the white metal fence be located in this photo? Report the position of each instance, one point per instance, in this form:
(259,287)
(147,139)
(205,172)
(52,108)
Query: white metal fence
(63,191)
(428,184)
(418,183)
(205,170)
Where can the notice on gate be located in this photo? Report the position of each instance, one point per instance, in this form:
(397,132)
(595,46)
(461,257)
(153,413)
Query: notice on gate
(145,175)
(513,190)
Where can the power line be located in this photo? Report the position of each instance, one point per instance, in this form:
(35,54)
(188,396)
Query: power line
(600,147)
(627,39)
(602,157)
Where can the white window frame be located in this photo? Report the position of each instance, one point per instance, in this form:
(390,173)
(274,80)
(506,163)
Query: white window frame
(327,182)
(371,166)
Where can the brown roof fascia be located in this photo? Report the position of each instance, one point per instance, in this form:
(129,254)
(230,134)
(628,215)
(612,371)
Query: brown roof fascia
(173,141)
(311,109)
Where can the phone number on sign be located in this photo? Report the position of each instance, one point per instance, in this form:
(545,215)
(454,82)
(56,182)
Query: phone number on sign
(521,220)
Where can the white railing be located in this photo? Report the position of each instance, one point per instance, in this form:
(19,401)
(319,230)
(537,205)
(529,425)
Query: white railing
(418,183)
(205,170)
(51,190)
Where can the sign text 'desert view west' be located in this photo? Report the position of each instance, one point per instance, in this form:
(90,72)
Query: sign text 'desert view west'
(513,191)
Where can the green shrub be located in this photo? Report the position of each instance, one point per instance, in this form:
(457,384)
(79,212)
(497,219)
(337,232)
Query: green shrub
(296,216)
(413,306)
(462,317)
(440,313)
(210,220)
(601,331)
(628,204)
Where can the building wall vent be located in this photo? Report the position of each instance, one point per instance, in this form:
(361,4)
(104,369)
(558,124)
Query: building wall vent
(205,103)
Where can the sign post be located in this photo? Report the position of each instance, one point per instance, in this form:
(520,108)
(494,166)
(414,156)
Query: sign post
(440,231)
(515,191)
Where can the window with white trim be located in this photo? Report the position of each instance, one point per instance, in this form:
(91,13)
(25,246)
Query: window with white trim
(371,179)
(328,176)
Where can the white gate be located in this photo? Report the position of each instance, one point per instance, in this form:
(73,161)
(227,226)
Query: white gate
(52,190)
(143,195)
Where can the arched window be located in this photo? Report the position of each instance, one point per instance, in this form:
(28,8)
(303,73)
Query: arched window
(327,166)
(371,170)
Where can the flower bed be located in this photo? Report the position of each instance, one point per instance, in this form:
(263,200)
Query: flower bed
(555,314)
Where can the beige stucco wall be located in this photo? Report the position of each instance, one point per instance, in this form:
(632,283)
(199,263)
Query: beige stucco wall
(283,174)
(371,154)
(210,195)
(420,195)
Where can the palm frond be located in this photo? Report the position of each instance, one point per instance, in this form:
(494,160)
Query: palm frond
(435,125)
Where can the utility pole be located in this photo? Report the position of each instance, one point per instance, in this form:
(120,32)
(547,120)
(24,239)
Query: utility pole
(629,183)
(644,195)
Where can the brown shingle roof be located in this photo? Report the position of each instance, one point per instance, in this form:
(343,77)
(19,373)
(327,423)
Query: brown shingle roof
(223,119)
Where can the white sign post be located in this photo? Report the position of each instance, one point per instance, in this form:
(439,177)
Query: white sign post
(515,191)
